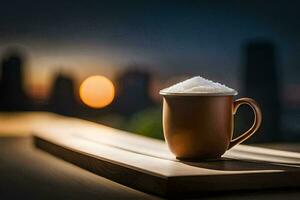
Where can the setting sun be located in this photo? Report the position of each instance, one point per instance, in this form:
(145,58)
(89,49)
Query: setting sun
(97,91)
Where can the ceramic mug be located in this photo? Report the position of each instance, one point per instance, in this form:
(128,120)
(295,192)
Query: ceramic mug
(200,126)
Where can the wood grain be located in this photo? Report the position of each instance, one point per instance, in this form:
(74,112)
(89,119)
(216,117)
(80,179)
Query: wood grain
(146,164)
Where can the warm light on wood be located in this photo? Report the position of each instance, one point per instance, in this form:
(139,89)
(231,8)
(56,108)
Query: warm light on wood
(97,91)
(147,164)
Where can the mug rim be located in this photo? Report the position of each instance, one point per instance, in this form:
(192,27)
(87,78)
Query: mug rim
(233,93)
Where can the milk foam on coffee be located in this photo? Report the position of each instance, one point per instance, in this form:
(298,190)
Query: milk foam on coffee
(199,85)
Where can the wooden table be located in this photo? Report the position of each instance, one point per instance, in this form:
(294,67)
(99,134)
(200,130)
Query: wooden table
(29,173)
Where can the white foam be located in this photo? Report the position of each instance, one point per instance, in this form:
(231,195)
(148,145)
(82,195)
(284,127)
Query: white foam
(197,85)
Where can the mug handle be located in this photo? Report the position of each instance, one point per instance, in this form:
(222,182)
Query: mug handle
(256,124)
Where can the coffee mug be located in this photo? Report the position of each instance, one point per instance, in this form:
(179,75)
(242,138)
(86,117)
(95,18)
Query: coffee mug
(200,126)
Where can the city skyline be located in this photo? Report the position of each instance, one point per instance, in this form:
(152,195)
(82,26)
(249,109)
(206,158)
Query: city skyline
(169,38)
(262,81)
(38,85)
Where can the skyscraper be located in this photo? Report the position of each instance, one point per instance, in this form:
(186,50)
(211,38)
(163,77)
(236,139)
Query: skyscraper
(262,84)
(132,92)
(12,95)
(62,98)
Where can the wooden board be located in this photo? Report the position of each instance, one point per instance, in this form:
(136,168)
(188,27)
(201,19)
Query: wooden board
(146,164)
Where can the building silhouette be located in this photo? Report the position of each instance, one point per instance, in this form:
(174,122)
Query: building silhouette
(262,84)
(62,99)
(12,95)
(132,92)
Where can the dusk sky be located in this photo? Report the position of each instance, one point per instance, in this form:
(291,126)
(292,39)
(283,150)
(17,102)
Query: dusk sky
(169,37)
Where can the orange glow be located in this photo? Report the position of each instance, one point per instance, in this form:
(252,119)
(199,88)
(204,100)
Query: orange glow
(97,91)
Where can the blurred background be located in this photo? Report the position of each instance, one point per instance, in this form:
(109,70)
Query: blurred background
(105,61)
